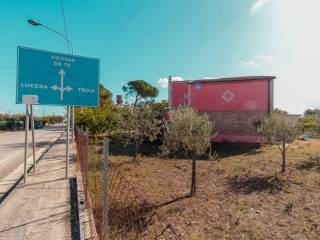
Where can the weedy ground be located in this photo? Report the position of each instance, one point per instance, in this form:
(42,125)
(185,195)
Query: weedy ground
(241,194)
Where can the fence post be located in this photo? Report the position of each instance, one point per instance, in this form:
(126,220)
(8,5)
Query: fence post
(85,163)
(104,229)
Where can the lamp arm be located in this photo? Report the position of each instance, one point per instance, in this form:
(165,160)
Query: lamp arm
(61,35)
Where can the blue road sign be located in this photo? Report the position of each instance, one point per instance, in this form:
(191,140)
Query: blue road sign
(49,78)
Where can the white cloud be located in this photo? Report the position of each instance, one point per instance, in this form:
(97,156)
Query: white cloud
(177,78)
(164,81)
(250,63)
(257,61)
(36,108)
(210,77)
(258,5)
(263,58)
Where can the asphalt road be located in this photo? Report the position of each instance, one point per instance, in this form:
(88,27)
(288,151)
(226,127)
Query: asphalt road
(12,146)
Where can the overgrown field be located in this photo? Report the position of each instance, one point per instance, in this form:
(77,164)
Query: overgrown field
(240,196)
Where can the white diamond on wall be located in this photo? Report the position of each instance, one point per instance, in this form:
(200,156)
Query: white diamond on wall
(228,96)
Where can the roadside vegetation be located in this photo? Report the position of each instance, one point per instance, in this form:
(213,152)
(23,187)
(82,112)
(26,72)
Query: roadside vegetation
(204,190)
(310,123)
(13,122)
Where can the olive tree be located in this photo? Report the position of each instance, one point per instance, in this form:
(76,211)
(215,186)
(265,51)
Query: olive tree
(137,124)
(190,132)
(278,131)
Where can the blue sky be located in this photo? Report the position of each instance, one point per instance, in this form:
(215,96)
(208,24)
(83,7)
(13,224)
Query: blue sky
(189,39)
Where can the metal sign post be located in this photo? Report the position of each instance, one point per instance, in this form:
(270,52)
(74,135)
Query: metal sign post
(67,142)
(26,126)
(72,141)
(33,141)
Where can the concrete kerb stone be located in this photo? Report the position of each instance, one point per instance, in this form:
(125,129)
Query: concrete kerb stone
(87,223)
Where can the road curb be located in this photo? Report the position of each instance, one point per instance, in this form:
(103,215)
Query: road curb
(87,223)
(75,223)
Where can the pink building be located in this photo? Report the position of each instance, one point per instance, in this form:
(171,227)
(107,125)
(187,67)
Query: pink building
(236,105)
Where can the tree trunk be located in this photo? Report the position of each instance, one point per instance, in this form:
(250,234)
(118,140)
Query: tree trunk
(136,101)
(210,152)
(193,178)
(136,152)
(283,164)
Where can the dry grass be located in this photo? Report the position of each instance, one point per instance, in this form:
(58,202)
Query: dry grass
(130,215)
(242,196)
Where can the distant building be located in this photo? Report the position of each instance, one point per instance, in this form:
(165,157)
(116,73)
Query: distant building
(237,105)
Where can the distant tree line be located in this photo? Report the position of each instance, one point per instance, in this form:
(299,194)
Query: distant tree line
(310,122)
(312,112)
(16,121)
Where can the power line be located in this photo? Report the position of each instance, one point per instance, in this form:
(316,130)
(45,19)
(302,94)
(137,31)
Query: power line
(124,24)
(65,23)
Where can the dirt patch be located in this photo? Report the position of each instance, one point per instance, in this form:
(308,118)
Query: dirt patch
(242,196)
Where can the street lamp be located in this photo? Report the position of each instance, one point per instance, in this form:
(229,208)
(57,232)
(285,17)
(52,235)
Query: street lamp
(33,23)
(38,24)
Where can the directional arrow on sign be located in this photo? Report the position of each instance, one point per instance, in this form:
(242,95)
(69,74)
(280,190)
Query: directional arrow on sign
(61,88)
(61,73)
(55,88)
(68,88)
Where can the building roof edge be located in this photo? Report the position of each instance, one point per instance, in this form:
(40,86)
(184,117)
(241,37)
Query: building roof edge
(228,79)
